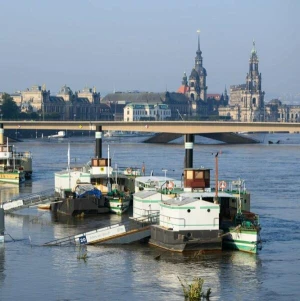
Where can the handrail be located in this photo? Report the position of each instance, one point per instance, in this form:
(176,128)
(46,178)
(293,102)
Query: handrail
(48,192)
(138,222)
(179,218)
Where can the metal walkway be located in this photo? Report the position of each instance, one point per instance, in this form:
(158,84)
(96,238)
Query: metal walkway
(123,233)
(20,202)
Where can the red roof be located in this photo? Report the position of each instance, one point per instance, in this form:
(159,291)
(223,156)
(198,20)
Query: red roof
(183,89)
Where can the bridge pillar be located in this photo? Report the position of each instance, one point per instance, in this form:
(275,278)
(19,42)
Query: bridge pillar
(189,144)
(98,136)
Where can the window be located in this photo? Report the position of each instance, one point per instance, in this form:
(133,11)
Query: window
(189,175)
(199,174)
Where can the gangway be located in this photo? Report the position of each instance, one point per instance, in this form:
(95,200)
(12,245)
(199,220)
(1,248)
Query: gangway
(20,202)
(126,232)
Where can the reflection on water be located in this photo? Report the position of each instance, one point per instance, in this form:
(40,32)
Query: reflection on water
(131,272)
(2,264)
(7,191)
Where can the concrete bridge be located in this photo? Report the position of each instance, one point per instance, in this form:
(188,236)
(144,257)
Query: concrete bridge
(174,128)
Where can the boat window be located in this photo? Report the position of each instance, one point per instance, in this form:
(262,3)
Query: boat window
(206,174)
(189,175)
(199,174)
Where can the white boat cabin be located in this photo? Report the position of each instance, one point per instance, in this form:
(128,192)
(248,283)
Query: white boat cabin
(66,180)
(183,213)
(147,202)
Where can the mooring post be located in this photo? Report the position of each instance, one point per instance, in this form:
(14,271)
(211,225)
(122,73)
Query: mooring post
(98,136)
(189,144)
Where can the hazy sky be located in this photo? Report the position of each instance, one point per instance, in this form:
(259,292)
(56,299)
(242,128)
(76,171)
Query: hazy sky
(146,45)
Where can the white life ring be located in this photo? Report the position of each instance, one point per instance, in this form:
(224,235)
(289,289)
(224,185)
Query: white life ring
(129,170)
(222,185)
(170,185)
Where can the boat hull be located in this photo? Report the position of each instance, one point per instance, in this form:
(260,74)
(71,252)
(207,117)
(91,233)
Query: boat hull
(119,206)
(183,241)
(242,240)
(12,177)
(1,239)
(80,206)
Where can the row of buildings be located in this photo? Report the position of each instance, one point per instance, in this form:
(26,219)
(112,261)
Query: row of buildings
(190,102)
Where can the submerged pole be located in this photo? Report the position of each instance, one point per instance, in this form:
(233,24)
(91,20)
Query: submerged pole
(98,136)
(189,145)
(2,227)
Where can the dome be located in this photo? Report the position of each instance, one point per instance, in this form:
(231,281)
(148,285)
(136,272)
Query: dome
(194,74)
(202,71)
(275,102)
(65,90)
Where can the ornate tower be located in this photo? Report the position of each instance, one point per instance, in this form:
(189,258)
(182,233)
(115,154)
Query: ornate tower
(184,80)
(194,85)
(201,71)
(253,96)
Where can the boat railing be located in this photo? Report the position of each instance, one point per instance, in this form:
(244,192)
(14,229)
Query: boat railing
(176,218)
(21,155)
(132,171)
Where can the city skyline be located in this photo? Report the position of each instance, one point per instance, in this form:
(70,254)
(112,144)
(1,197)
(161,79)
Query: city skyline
(146,46)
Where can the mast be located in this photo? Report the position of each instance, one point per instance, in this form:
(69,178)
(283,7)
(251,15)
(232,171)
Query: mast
(108,172)
(216,200)
(239,208)
(69,167)
(7,152)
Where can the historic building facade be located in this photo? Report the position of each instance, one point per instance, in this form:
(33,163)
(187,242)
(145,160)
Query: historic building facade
(139,112)
(247,100)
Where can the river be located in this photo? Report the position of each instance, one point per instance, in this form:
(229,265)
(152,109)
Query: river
(29,271)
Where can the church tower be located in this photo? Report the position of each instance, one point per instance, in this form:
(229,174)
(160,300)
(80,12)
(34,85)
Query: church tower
(253,96)
(197,79)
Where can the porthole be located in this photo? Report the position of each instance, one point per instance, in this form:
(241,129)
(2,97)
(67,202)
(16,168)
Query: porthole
(189,210)
(208,210)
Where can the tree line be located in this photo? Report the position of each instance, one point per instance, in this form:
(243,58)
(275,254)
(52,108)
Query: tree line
(9,110)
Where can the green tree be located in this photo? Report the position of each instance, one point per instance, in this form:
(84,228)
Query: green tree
(9,108)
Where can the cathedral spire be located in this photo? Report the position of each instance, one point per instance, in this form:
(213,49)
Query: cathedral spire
(253,51)
(198,51)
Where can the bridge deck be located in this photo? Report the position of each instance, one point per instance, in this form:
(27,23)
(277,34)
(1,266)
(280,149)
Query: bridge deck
(175,127)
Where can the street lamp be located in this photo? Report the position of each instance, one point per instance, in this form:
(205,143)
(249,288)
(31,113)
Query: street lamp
(74,117)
